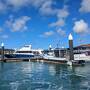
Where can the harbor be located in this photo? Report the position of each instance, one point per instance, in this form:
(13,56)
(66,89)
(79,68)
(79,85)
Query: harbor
(44,44)
(66,56)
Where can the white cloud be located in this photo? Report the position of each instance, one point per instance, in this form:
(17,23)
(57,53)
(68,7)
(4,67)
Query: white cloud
(18,24)
(21,3)
(61,15)
(37,3)
(58,23)
(46,8)
(47,34)
(85,6)
(80,27)
(44,5)
(17,3)
(61,32)
(3,7)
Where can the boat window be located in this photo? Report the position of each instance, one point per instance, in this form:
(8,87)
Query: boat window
(24,52)
(35,52)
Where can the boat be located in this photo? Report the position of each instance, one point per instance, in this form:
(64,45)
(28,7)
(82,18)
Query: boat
(25,52)
(59,55)
(82,56)
(55,55)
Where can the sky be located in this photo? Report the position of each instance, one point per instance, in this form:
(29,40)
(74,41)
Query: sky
(44,22)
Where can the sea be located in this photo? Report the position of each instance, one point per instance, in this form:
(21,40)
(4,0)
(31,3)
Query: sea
(43,76)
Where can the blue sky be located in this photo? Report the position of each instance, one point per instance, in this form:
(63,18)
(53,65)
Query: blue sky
(44,22)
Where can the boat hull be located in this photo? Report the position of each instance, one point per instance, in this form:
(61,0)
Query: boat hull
(23,56)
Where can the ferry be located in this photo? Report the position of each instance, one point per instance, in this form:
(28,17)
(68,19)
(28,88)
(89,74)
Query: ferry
(25,52)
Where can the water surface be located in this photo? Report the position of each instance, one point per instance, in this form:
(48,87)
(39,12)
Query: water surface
(43,76)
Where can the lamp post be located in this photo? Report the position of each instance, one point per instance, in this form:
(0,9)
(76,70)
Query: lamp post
(71,54)
(50,47)
(2,51)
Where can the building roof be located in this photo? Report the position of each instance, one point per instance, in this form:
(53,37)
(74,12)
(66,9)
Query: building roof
(86,45)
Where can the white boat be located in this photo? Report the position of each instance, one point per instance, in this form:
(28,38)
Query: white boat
(25,52)
(82,56)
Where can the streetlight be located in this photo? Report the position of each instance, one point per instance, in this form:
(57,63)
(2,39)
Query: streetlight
(2,51)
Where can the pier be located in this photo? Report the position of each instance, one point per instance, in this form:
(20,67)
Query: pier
(43,60)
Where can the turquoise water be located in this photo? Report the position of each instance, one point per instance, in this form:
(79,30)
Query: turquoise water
(43,76)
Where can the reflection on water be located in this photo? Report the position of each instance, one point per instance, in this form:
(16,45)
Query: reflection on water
(43,76)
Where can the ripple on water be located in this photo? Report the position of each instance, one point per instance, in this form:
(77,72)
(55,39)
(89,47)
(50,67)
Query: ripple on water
(38,76)
(14,85)
(85,85)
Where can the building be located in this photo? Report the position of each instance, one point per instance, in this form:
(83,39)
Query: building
(7,51)
(85,48)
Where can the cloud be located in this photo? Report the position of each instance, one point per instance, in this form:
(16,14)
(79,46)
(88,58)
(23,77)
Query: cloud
(1,29)
(3,7)
(16,4)
(58,23)
(13,5)
(85,6)
(61,15)
(80,27)
(37,3)
(61,32)
(4,36)
(18,24)
(50,33)
(43,6)
(23,3)
(47,34)
(46,8)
